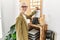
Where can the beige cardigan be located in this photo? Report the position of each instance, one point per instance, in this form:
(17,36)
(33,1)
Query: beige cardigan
(21,27)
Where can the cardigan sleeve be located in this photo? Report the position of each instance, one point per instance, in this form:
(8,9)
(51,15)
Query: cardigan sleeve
(18,27)
(29,16)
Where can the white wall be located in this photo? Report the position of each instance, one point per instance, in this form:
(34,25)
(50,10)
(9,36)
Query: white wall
(50,8)
(0,22)
(9,13)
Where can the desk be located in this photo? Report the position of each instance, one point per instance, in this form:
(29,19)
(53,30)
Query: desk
(42,29)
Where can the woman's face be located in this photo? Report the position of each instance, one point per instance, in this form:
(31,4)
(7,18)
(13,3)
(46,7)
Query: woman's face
(24,8)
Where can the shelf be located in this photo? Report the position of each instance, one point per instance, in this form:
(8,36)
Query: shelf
(42,29)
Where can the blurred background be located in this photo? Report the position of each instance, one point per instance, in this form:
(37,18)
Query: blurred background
(10,10)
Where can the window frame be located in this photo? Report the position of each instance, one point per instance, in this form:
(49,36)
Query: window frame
(34,4)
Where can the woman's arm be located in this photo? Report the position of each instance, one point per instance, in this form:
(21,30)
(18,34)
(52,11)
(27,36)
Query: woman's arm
(29,16)
(33,25)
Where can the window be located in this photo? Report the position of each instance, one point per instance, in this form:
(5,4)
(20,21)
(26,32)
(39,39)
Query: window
(34,3)
(0,22)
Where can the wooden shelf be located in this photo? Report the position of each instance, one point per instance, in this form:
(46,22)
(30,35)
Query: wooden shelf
(42,29)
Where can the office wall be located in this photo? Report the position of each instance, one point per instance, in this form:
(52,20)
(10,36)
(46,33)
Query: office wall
(52,10)
(9,11)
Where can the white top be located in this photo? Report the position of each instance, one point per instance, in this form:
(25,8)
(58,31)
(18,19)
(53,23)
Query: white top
(37,14)
(27,20)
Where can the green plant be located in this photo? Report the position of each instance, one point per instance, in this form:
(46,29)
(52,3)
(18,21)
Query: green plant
(11,34)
